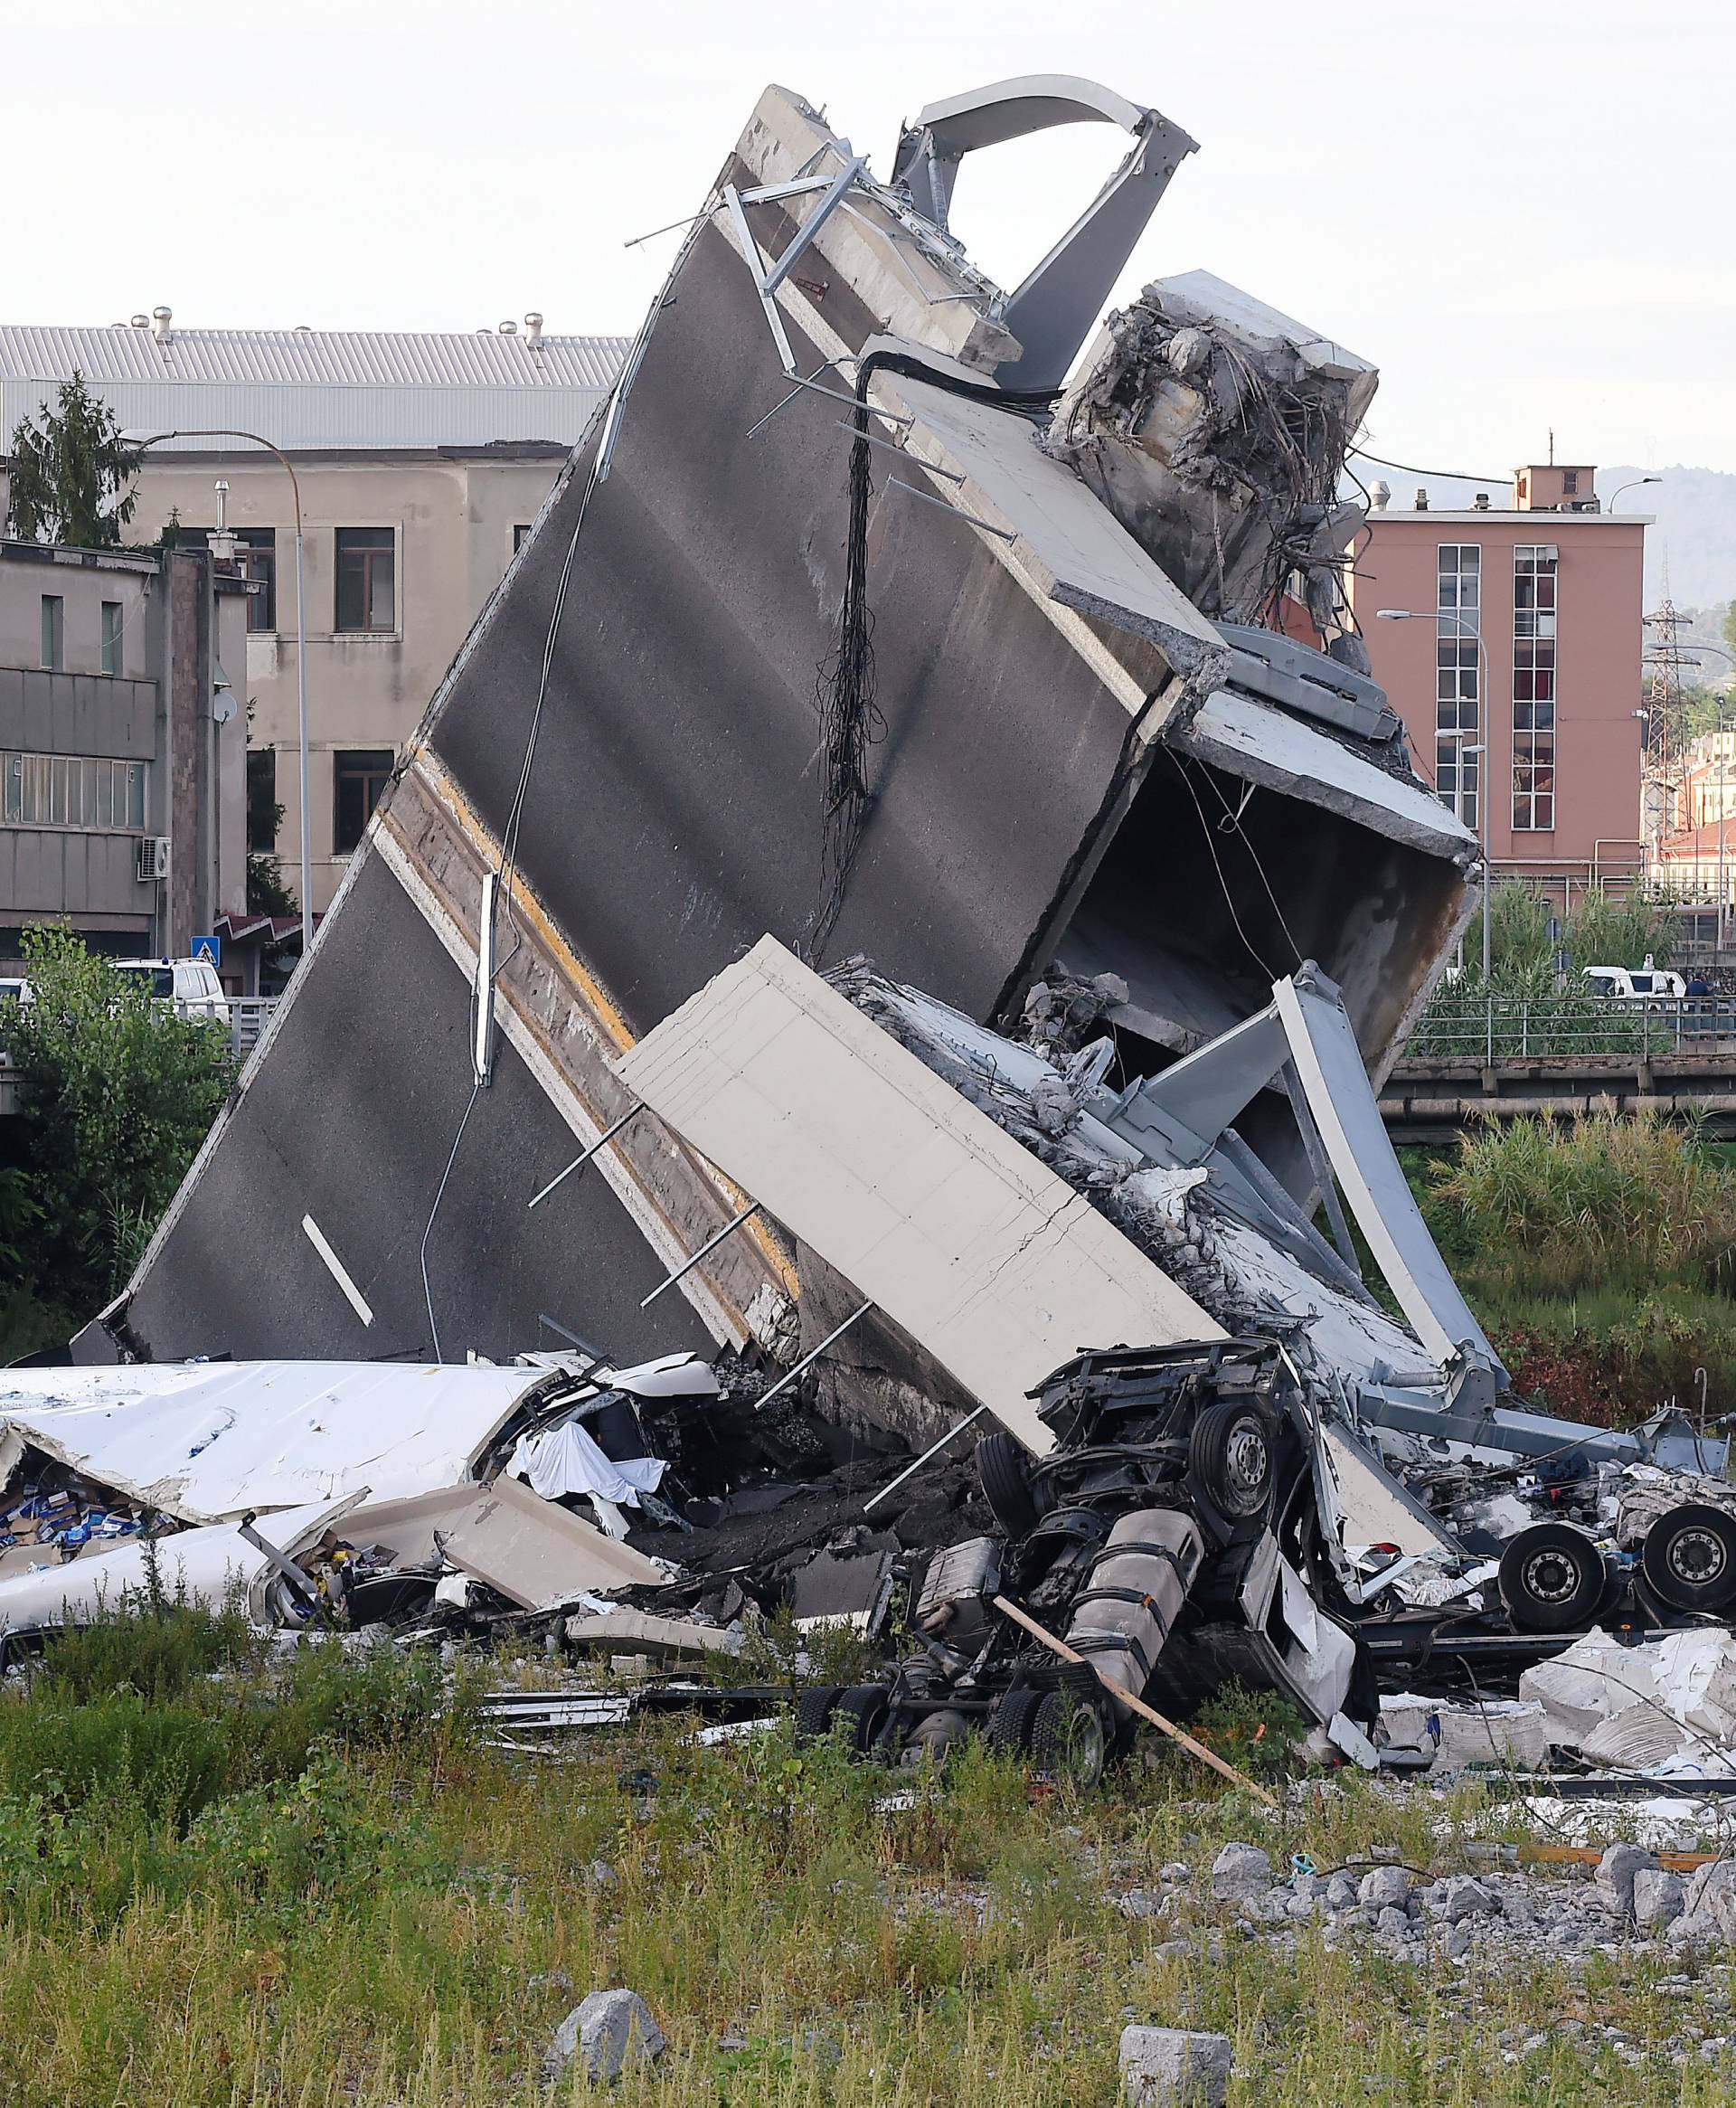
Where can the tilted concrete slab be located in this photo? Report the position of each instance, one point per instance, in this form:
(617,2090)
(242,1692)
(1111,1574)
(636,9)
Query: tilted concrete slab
(965,1240)
(673,814)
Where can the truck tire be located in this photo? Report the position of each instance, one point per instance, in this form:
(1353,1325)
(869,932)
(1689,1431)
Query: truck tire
(1689,1558)
(1232,1456)
(1068,1742)
(814,1710)
(861,1711)
(1552,1578)
(1011,1722)
(1006,1483)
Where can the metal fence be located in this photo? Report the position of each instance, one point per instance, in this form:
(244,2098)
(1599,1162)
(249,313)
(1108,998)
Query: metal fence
(247,1016)
(1504,1027)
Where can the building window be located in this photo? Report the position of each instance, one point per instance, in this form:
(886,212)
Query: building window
(1457,702)
(72,790)
(359,778)
(263,811)
(1569,482)
(257,558)
(1533,687)
(54,632)
(366,584)
(520,536)
(112,622)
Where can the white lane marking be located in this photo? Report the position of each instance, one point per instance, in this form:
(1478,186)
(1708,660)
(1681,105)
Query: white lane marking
(316,1238)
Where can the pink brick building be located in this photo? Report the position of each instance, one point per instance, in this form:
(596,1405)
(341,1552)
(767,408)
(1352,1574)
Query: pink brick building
(1553,590)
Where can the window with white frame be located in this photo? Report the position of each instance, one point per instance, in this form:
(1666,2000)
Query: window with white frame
(1534,686)
(72,790)
(1457,702)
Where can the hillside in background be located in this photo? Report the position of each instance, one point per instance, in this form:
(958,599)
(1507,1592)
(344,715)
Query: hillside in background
(1690,554)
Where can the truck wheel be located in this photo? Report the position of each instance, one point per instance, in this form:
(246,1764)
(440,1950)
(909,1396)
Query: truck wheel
(1231,1455)
(1011,1722)
(814,1710)
(1006,1483)
(1689,1558)
(862,1711)
(1068,1742)
(1551,1577)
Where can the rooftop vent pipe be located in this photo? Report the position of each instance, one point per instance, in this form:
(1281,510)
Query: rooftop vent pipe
(1381,496)
(509,330)
(1480,503)
(141,322)
(1422,499)
(160,319)
(533,327)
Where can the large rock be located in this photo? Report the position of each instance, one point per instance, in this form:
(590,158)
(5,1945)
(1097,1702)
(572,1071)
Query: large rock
(1711,1894)
(609,2031)
(1239,1873)
(1465,1896)
(1171,2067)
(1616,1872)
(1658,1898)
(1385,1888)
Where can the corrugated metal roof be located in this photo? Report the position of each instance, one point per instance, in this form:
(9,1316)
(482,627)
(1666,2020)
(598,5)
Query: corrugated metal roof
(362,358)
(320,388)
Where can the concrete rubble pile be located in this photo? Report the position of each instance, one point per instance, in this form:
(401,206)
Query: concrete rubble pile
(883,946)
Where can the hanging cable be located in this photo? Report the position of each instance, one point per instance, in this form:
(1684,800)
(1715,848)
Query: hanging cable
(1405,469)
(1229,898)
(851,720)
(1232,824)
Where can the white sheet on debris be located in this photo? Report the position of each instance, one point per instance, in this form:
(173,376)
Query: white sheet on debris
(207,1441)
(566,1460)
(1667,1707)
(204,1565)
(956,1232)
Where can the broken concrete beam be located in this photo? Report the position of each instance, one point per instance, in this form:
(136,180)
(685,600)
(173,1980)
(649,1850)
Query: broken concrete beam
(640,1631)
(938,1217)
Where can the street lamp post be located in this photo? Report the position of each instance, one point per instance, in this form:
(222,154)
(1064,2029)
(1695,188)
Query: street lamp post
(226,432)
(1486,749)
(1723,822)
(1633,485)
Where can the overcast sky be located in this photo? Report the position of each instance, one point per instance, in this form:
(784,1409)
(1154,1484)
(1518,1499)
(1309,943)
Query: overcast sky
(1522,214)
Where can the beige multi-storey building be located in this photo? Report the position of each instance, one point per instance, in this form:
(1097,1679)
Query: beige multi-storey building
(421,462)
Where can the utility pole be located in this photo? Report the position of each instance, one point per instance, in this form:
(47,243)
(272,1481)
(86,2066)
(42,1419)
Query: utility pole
(1663,720)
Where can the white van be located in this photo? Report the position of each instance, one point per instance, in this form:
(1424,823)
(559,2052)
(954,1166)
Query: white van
(1647,984)
(190,983)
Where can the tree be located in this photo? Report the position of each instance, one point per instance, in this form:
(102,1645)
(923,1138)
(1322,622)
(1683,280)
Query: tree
(1730,625)
(72,473)
(267,892)
(115,1095)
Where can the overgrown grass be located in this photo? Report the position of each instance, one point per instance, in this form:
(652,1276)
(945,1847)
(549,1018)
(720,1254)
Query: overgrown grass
(1596,1254)
(406,1916)
(1596,1201)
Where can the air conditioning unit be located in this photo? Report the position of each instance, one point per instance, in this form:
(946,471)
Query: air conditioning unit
(153,858)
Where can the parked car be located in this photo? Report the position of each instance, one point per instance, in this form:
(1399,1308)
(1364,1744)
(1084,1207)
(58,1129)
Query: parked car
(190,983)
(1647,984)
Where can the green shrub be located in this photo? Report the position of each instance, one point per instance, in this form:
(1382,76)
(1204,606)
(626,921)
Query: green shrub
(1594,1201)
(115,1095)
